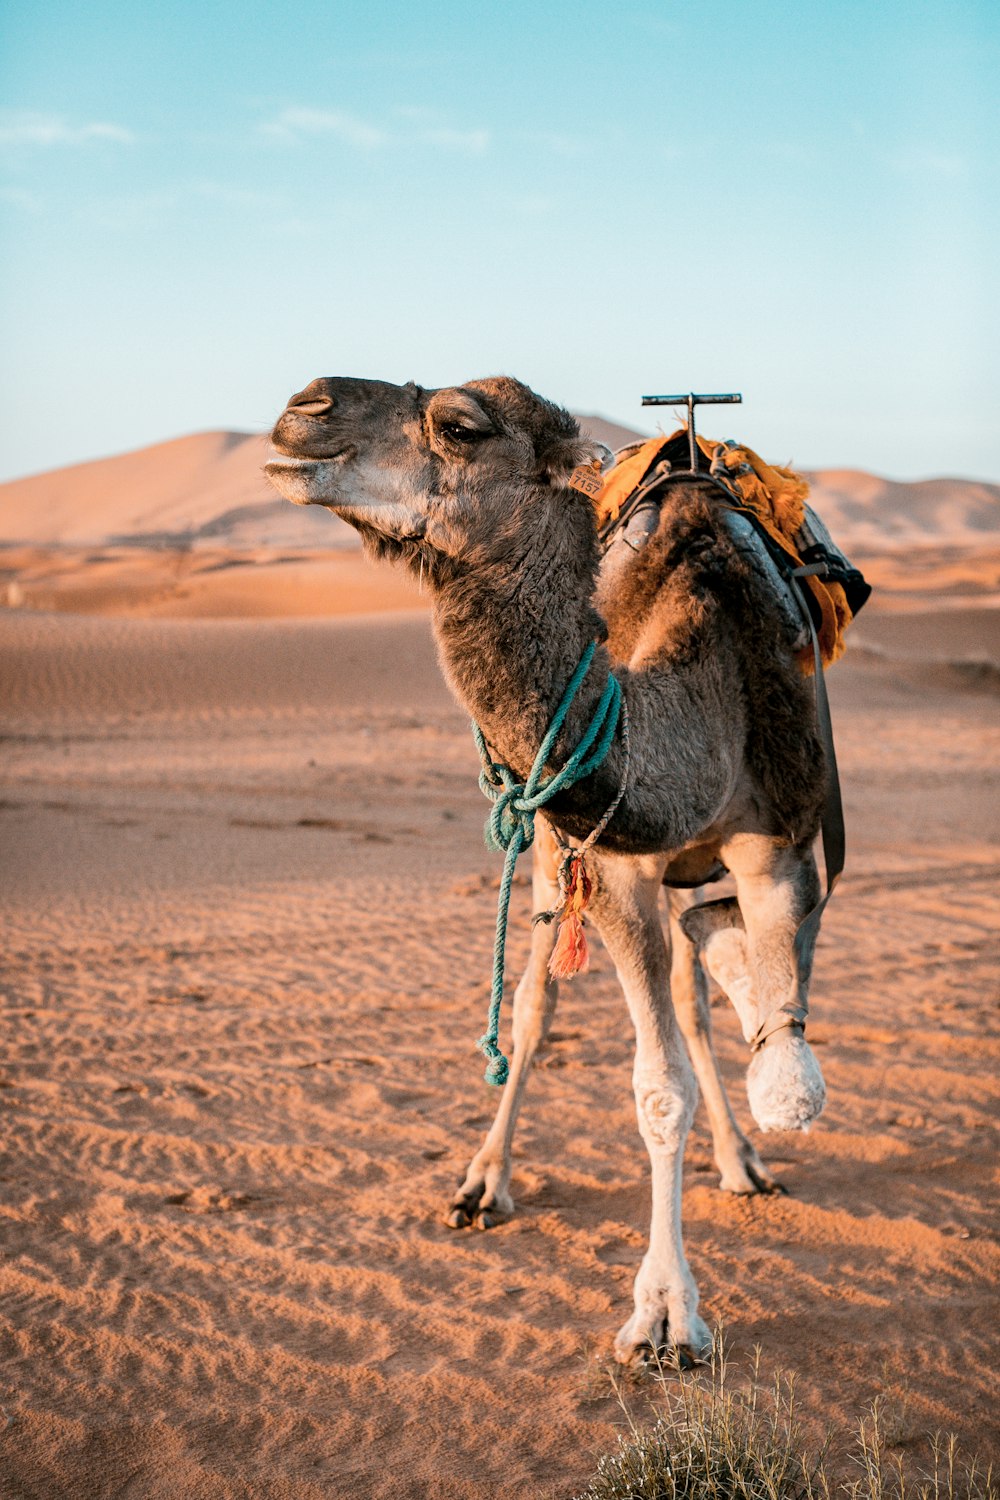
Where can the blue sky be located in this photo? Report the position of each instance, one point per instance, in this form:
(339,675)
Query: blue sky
(207,204)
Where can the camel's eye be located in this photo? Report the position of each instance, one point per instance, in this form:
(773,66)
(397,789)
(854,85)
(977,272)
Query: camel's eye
(459,433)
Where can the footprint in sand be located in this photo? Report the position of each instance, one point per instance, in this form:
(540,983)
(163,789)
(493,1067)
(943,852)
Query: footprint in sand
(179,997)
(211,1201)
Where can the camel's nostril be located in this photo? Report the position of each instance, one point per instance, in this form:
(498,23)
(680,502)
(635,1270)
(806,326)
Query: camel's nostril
(310,403)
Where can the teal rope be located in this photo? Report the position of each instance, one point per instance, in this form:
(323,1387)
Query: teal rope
(510,825)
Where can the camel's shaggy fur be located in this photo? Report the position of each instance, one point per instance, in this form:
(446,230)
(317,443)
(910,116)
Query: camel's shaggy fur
(469,485)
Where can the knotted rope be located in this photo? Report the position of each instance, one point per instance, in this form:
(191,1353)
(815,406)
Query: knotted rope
(510,825)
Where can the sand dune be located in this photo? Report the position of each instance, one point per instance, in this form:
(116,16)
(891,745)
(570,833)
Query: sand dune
(174,488)
(872,513)
(202,583)
(208,489)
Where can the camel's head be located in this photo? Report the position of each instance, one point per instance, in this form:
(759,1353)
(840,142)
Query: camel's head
(403,464)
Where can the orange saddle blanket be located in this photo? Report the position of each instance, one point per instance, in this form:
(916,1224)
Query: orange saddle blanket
(774,498)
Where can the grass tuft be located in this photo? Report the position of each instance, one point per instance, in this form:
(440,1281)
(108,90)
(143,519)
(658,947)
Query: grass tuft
(714,1439)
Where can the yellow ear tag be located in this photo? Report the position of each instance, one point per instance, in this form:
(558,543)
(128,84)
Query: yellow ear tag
(588,479)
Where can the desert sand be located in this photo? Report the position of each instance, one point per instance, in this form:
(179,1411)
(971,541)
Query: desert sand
(249,920)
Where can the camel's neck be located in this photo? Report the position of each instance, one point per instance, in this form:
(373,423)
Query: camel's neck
(513,617)
(513,620)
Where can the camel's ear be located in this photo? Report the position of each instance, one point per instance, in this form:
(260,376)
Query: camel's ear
(560,458)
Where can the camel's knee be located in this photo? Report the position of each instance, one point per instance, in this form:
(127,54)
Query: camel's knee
(750,951)
(665,1108)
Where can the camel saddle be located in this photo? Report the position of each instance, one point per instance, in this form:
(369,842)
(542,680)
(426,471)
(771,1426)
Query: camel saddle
(777,533)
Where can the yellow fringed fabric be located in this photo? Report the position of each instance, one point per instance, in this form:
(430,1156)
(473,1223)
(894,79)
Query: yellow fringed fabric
(624,478)
(777,498)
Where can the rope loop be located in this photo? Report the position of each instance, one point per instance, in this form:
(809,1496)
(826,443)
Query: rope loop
(510,825)
(509,817)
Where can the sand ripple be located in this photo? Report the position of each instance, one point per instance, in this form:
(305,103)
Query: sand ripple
(249,918)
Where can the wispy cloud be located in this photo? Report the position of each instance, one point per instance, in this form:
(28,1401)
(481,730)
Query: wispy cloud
(557,142)
(233,197)
(292,124)
(55,130)
(468,142)
(431,127)
(929,161)
(419,127)
(21,198)
(129,212)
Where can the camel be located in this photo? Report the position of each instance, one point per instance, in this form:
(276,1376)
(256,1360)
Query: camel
(468,486)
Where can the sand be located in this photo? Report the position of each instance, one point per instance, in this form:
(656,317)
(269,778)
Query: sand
(208,582)
(249,919)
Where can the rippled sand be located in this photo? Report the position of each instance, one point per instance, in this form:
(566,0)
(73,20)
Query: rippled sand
(249,919)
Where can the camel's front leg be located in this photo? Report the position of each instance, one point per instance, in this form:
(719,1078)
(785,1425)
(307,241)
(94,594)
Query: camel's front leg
(665,1317)
(484,1197)
(741,1169)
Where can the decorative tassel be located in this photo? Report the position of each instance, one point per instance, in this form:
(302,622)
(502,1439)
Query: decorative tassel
(570,955)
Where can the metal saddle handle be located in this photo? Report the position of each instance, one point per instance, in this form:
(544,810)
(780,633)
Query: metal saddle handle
(691,400)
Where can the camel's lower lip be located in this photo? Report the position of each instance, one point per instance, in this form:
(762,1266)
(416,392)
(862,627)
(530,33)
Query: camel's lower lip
(307,481)
(303,465)
(289,465)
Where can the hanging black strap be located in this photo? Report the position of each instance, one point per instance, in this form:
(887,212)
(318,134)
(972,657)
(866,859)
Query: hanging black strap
(832,829)
(832,825)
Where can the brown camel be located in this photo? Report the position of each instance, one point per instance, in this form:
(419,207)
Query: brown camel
(468,485)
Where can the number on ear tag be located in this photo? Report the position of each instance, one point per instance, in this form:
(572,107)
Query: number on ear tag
(587,478)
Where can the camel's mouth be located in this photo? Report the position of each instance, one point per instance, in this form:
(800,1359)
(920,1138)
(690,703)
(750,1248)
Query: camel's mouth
(307,481)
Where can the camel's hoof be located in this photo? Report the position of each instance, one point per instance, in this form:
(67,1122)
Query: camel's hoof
(664,1357)
(472,1210)
(764,1184)
(659,1350)
(747,1176)
(488,1218)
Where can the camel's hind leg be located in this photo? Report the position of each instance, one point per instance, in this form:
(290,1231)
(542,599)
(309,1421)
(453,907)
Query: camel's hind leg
(762,972)
(625,909)
(484,1197)
(741,1169)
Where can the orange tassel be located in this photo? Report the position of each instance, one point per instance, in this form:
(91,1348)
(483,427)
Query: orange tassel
(570,955)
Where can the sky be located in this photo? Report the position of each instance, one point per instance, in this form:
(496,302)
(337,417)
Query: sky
(205,205)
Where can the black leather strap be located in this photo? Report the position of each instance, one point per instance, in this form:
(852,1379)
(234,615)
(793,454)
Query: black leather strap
(832,830)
